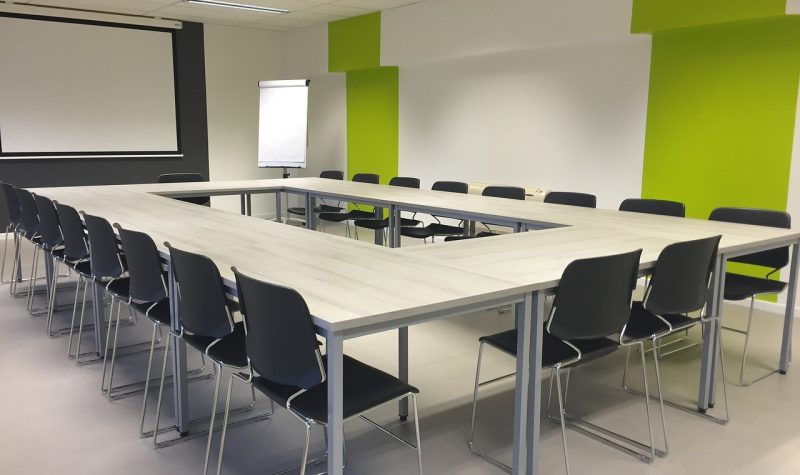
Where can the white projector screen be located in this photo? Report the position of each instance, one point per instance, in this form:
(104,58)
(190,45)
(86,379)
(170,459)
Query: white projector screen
(70,89)
(283,123)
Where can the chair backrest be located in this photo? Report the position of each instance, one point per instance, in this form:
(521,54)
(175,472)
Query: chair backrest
(186,178)
(679,283)
(571,198)
(404,181)
(593,299)
(49,230)
(281,343)
(510,192)
(203,304)
(651,206)
(144,266)
(773,258)
(451,186)
(12,204)
(103,249)
(30,215)
(332,174)
(73,232)
(366,178)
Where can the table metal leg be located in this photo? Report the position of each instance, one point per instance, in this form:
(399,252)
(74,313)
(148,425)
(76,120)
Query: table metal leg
(335,350)
(378,235)
(786,346)
(705,397)
(180,386)
(242,205)
(311,218)
(402,373)
(98,304)
(528,385)
(394,226)
(278,207)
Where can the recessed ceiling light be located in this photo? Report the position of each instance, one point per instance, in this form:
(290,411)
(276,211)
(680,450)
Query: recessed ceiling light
(240,6)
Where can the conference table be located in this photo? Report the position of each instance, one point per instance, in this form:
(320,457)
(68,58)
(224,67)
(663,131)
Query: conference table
(354,288)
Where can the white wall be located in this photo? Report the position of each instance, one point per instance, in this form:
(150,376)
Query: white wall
(236,59)
(545,93)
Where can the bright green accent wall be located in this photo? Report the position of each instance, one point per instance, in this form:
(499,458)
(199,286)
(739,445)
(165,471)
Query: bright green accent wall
(354,43)
(659,15)
(721,115)
(372,121)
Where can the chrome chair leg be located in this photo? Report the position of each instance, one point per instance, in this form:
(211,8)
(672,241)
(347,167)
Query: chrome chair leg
(15,268)
(161,390)
(416,427)
(5,251)
(108,342)
(225,424)
(147,381)
(647,404)
(113,353)
(661,401)
(304,460)
(74,311)
(471,442)
(86,283)
(32,282)
(213,414)
(562,416)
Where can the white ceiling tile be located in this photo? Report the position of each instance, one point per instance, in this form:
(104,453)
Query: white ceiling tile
(303,13)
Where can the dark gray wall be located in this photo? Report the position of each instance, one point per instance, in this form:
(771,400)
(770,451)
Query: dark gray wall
(192,130)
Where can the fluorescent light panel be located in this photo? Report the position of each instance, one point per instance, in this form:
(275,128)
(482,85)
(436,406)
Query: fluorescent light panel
(240,6)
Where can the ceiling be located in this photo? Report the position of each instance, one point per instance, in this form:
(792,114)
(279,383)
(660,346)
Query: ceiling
(303,13)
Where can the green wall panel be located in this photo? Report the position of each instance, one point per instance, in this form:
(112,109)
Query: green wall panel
(721,115)
(659,15)
(372,121)
(354,43)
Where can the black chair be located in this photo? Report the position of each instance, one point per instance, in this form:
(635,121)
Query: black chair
(323,207)
(678,286)
(382,224)
(344,217)
(148,293)
(438,228)
(286,364)
(508,192)
(76,258)
(740,286)
(587,321)
(29,230)
(652,206)
(51,243)
(571,198)
(206,324)
(14,214)
(108,269)
(186,178)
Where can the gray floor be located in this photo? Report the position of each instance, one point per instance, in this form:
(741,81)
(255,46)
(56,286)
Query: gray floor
(55,419)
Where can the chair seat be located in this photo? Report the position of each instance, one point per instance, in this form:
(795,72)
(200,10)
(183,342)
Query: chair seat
(440,229)
(296,210)
(364,388)
(740,287)
(157,314)
(553,349)
(360,214)
(333,217)
(83,268)
(328,209)
(372,223)
(643,324)
(230,350)
(119,288)
(419,233)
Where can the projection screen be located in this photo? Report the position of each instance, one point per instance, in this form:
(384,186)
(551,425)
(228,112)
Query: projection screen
(73,89)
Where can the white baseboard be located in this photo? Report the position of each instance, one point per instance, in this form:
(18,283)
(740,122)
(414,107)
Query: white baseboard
(777,309)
